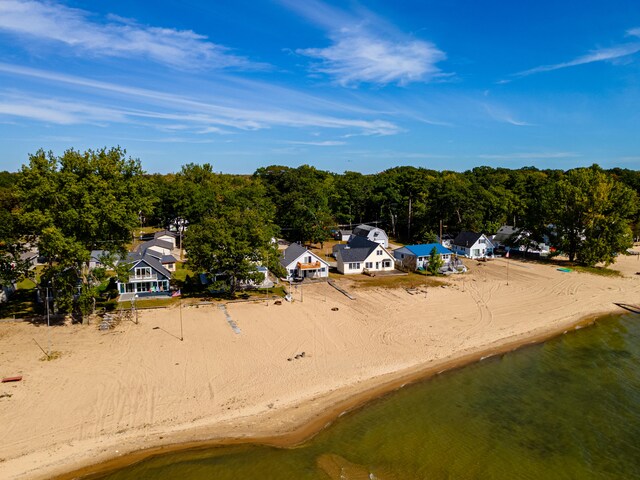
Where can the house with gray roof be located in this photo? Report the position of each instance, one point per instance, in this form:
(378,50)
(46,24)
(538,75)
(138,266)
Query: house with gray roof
(472,245)
(360,255)
(147,276)
(371,233)
(299,262)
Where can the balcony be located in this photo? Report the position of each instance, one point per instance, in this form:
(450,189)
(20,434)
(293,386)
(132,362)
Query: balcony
(143,278)
(309,266)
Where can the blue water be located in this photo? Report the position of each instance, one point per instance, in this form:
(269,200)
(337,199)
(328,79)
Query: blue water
(565,409)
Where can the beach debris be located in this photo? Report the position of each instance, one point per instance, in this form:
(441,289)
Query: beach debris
(155,328)
(412,291)
(563,269)
(335,309)
(289,359)
(15,378)
(6,395)
(278,302)
(297,356)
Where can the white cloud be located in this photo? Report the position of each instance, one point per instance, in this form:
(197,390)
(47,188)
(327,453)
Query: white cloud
(76,29)
(598,55)
(634,32)
(360,57)
(55,111)
(500,114)
(171,108)
(326,143)
(366,49)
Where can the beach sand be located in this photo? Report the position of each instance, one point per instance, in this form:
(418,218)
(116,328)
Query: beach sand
(139,387)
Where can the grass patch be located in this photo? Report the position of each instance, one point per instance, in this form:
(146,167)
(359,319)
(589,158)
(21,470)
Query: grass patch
(21,304)
(602,271)
(413,280)
(181,273)
(151,303)
(54,355)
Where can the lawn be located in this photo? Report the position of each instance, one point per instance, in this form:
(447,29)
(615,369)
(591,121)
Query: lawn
(412,280)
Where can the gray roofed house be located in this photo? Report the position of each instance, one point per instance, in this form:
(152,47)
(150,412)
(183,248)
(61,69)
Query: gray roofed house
(472,245)
(299,262)
(506,235)
(147,276)
(169,262)
(361,254)
(369,232)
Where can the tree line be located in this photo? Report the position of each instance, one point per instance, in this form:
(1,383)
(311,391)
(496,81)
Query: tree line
(71,204)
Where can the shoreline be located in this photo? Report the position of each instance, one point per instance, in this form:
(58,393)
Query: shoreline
(114,398)
(308,428)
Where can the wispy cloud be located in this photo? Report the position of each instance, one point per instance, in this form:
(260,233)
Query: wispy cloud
(174,109)
(114,37)
(500,114)
(529,155)
(597,55)
(365,49)
(55,111)
(326,143)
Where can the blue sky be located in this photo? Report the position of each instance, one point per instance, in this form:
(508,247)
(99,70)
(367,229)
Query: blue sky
(359,86)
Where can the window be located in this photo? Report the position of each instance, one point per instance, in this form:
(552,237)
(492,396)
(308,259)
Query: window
(386,263)
(368,265)
(354,266)
(481,240)
(143,272)
(323,269)
(402,255)
(379,252)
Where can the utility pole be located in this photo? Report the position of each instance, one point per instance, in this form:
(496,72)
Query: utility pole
(181,336)
(440,231)
(48,325)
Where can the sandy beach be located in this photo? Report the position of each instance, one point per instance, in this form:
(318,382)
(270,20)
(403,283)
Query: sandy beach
(138,388)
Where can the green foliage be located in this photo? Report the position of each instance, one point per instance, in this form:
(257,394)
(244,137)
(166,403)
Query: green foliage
(72,204)
(590,213)
(435,262)
(237,237)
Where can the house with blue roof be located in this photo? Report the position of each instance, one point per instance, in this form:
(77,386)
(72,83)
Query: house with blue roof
(417,256)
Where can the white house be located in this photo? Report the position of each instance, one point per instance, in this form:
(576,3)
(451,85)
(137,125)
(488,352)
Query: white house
(417,256)
(373,234)
(147,276)
(472,245)
(166,236)
(361,254)
(302,263)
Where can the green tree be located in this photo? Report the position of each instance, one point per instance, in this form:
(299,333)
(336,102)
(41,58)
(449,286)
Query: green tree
(232,243)
(590,212)
(75,203)
(435,262)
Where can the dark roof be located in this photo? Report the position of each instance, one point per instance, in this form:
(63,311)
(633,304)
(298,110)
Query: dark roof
(292,252)
(466,239)
(149,260)
(357,250)
(506,233)
(168,259)
(165,232)
(363,230)
(154,243)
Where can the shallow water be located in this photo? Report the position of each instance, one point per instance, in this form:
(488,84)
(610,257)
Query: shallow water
(566,409)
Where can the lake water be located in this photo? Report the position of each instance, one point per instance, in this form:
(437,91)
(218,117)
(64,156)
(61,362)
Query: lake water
(565,409)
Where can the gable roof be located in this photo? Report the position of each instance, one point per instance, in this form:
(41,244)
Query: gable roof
(168,259)
(291,253)
(466,239)
(363,230)
(505,233)
(357,250)
(165,232)
(424,250)
(153,262)
(142,248)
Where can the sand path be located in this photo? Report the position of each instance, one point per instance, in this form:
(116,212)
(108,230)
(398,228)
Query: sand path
(139,386)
